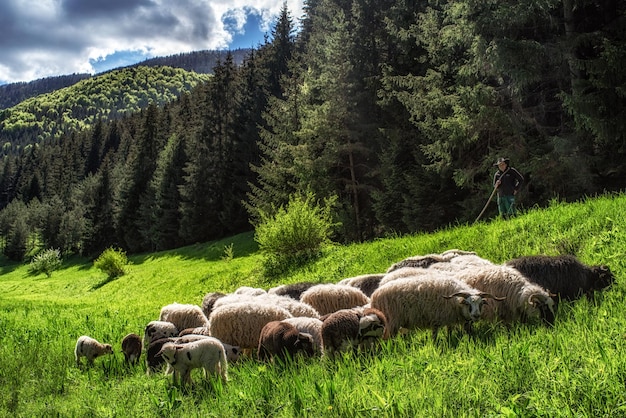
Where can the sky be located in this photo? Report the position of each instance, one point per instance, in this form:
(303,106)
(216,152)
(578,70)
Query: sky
(45,38)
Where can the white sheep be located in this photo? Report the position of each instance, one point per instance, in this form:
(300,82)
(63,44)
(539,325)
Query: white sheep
(311,326)
(247,290)
(405,272)
(295,307)
(240,324)
(448,256)
(90,349)
(428,302)
(155,330)
(329,298)
(207,353)
(524,299)
(184,316)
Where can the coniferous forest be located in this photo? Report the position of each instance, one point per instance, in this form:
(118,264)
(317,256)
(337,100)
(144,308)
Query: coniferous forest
(397,108)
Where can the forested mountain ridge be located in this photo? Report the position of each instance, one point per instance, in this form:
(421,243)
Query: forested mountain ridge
(14,93)
(393,110)
(107,96)
(197,61)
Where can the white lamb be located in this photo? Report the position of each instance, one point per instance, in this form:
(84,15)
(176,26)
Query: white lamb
(329,298)
(428,302)
(207,353)
(240,324)
(90,349)
(184,316)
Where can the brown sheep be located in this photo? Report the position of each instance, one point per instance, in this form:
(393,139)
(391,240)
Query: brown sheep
(279,339)
(131,347)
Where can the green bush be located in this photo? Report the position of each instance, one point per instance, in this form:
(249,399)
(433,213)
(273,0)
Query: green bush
(112,262)
(45,262)
(296,234)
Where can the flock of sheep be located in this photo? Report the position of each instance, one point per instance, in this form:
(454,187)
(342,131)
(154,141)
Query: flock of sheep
(454,288)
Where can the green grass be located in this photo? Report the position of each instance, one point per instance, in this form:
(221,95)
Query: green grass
(575,369)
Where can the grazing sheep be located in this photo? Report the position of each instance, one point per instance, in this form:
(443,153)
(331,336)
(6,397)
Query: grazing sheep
(366,283)
(523,299)
(563,275)
(240,324)
(155,330)
(328,298)
(207,353)
(184,316)
(405,272)
(251,291)
(311,326)
(421,261)
(90,349)
(295,307)
(209,300)
(279,339)
(292,290)
(428,302)
(349,328)
(132,347)
(448,256)
(153,362)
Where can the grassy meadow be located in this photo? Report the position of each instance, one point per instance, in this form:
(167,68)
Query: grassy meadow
(575,369)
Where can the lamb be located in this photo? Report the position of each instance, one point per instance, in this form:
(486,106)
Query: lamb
(366,283)
(563,275)
(279,339)
(132,347)
(90,349)
(292,290)
(428,302)
(153,362)
(209,300)
(156,330)
(207,353)
(523,299)
(184,316)
(295,307)
(311,326)
(328,298)
(349,328)
(240,324)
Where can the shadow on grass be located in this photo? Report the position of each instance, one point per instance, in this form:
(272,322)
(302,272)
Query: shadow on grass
(103,282)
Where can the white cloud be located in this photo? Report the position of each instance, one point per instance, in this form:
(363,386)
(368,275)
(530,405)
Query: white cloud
(42,38)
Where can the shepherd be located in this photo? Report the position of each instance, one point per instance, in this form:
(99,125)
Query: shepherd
(507,181)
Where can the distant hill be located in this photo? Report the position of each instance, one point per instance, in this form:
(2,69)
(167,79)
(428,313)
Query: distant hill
(201,62)
(106,96)
(14,93)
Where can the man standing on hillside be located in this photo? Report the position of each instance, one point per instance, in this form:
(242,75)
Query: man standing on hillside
(507,181)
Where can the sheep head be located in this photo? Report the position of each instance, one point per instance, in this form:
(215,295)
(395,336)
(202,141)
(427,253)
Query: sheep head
(469,304)
(543,307)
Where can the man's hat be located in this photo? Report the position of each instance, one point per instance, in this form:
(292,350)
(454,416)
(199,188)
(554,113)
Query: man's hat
(502,160)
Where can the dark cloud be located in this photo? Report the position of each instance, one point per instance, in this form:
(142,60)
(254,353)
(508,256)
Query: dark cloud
(98,8)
